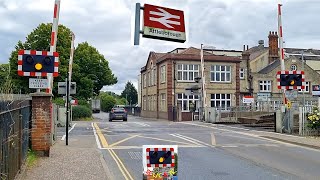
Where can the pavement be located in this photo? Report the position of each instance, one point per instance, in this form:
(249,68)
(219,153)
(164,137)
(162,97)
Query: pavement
(80,160)
(112,150)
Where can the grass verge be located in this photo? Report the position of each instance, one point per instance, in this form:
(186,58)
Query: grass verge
(84,119)
(31,158)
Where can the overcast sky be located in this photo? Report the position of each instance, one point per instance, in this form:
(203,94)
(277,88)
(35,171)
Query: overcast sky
(108,26)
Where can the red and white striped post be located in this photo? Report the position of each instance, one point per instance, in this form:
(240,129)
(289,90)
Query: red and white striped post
(281,47)
(54,33)
(280,37)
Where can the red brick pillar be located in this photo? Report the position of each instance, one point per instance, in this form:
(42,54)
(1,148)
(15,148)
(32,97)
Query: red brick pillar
(41,123)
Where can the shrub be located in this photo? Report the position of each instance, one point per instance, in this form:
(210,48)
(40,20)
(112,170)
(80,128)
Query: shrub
(79,112)
(83,102)
(58,101)
(107,103)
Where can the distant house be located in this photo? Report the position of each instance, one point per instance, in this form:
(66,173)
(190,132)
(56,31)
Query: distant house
(263,65)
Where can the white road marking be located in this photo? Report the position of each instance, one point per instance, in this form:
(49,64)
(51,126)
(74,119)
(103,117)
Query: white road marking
(64,136)
(96,136)
(140,147)
(141,124)
(193,142)
(256,136)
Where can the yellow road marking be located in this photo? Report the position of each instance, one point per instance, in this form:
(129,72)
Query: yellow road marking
(164,140)
(124,168)
(119,163)
(101,136)
(139,147)
(124,175)
(123,140)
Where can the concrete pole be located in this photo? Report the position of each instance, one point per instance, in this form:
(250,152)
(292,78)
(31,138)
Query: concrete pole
(204,93)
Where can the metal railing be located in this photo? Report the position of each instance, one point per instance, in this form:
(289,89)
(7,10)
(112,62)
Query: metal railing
(15,119)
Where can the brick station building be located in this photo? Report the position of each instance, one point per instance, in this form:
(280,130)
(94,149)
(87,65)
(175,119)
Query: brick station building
(166,76)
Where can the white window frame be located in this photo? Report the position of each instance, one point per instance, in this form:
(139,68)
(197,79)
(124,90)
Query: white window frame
(144,103)
(241,73)
(149,79)
(186,99)
(152,77)
(217,69)
(219,99)
(162,101)
(185,70)
(163,74)
(266,84)
(155,76)
(307,88)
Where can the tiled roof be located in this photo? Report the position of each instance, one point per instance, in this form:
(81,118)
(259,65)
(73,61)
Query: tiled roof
(258,50)
(270,67)
(192,50)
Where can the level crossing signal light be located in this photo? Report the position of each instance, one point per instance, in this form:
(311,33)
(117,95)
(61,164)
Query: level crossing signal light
(291,80)
(160,157)
(38,63)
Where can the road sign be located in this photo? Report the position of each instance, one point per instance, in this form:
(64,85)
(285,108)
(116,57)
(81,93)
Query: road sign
(247,99)
(38,63)
(38,83)
(291,80)
(291,94)
(289,104)
(316,90)
(163,23)
(62,88)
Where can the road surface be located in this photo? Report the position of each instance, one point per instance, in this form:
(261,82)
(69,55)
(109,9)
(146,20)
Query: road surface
(217,152)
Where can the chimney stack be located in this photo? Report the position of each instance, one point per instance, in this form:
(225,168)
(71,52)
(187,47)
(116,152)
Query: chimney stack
(273,46)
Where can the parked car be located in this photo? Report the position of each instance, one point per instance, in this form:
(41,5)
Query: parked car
(118,114)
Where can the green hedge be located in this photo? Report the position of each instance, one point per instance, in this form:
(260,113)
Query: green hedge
(79,112)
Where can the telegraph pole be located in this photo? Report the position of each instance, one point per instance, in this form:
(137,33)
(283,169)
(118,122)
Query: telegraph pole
(204,94)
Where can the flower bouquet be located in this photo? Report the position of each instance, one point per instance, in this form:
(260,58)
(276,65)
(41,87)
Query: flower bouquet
(314,118)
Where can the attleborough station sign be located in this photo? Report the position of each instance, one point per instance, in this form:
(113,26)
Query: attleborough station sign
(163,23)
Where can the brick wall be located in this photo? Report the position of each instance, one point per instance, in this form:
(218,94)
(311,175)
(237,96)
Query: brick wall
(41,123)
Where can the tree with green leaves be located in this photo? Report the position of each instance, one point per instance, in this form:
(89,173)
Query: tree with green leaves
(130,93)
(4,72)
(90,69)
(93,71)
(107,101)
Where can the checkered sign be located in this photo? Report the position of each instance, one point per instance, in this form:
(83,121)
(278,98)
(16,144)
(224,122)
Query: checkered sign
(160,157)
(289,80)
(38,63)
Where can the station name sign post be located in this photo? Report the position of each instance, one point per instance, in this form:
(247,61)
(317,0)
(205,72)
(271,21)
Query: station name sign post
(160,23)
